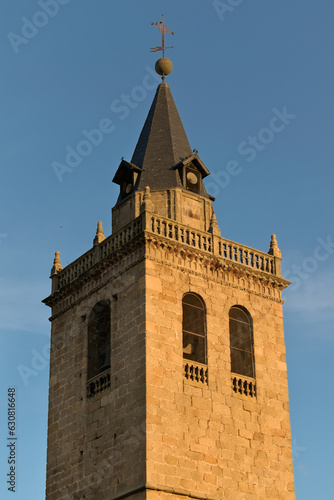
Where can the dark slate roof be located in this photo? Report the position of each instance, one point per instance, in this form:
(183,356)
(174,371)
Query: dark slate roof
(162,144)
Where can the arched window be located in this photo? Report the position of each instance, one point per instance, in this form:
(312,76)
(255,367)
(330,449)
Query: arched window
(98,339)
(194,328)
(241,342)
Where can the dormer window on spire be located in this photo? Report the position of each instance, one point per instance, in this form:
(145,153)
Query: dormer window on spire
(127,178)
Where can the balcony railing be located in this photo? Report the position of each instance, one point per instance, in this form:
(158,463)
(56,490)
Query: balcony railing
(120,239)
(196,372)
(213,245)
(183,234)
(246,256)
(204,241)
(98,384)
(244,385)
(79,266)
(96,254)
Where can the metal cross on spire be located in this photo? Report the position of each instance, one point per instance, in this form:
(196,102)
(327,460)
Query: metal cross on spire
(164,30)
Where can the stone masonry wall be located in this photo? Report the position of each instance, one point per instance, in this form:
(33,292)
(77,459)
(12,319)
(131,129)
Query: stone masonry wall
(205,441)
(96,447)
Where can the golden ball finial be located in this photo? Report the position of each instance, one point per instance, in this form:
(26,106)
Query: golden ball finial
(163,66)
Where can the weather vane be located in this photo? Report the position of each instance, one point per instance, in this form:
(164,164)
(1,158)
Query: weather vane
(164,30)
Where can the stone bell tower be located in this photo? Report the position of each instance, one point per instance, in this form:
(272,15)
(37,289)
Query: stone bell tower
(168,377)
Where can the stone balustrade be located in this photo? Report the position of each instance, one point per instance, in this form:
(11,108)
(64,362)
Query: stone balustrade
(244,385)
(171,230)
(98,384)
(183,234)
(96,254)
(246,256)
(120,239)
(196,372)
(215,245)
(75,269)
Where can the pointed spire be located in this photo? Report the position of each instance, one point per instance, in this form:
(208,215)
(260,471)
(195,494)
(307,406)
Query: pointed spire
(147,205)
(56,264)
(163,156)
(162,144)
(213,228)
(99,234)
(274,250)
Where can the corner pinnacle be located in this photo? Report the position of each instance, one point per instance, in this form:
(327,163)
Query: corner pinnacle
(56,264)
(274,250)
(99,234)
(213,228)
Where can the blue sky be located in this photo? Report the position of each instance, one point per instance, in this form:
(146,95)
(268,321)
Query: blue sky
(236,68)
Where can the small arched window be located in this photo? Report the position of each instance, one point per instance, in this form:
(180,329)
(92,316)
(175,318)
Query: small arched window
(241,342)
(98,339)
(194,328)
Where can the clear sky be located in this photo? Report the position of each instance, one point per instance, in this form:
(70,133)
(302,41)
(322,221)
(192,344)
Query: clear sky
(253,83)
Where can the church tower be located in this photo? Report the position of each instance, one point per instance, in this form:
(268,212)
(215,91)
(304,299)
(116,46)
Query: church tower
(168,377)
